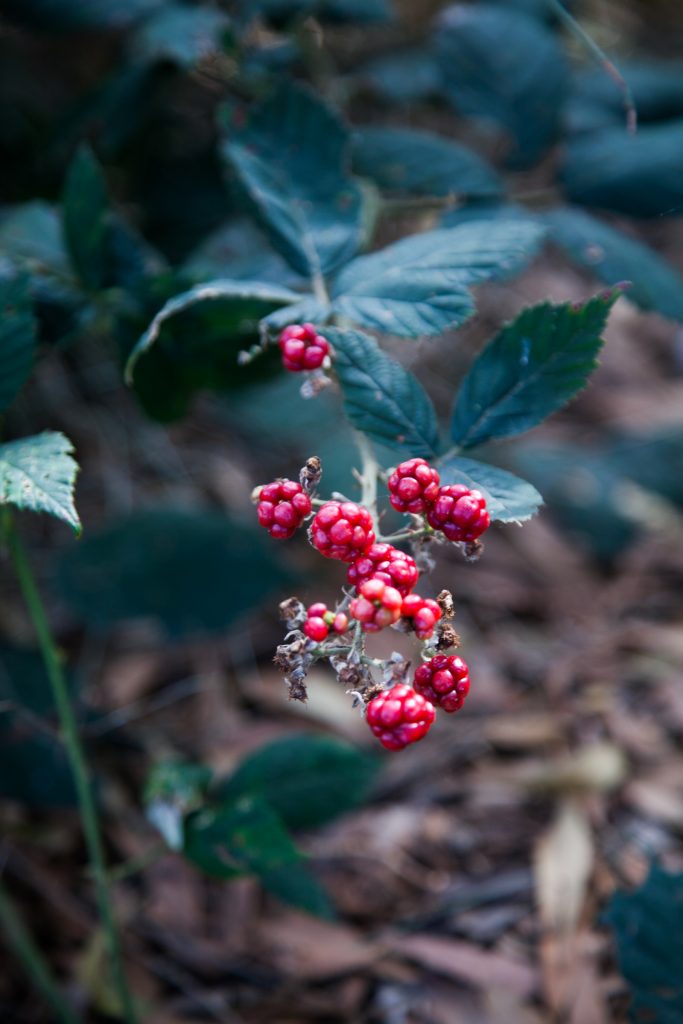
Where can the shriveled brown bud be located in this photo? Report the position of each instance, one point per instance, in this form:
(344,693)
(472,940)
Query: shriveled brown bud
(473,550)
(445,603)
(292,611)
(310,474)
(447,638)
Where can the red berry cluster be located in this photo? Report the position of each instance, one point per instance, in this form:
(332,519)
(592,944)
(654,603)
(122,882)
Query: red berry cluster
(377,606)
(445,681)
(460,513)
(343,530)
(385,562)
(302,348)
(422,613)
(282,508)
(319,621)
(399,716)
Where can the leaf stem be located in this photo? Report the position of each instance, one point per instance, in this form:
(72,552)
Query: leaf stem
(78,763)
(32,959)
(405,535)
(601,57)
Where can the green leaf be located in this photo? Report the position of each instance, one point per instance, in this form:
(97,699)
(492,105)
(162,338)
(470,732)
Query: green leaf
(506,68)
(381,398)
(648,928)
(39,473)
(294,884)
(174,568)
(181,34)
(238,838)
(533,367)
(291,158)
(72,15)
(240,251)
(421,284)
(34,768)
(614,256)
(597,101)
(309,780)
(419,163)
(407,76)
(639,174)
(17,337)
(31,235)
(172,790)
(283,11)
(85,208)
(193,342)
(509,499)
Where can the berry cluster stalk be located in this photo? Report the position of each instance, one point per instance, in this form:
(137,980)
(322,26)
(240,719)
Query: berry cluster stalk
(78,763)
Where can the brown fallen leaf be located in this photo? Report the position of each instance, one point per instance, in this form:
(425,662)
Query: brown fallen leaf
(563,861)
(467,963)
(311,949)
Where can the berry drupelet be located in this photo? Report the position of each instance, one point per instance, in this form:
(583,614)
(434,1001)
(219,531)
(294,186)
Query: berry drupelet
(343,530)
(302,348)
(413,486)
(385,562)
(459,513)
(282,508)
(444,681)
(399,716)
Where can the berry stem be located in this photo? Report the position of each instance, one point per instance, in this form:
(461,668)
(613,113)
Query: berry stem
(406,535)
(79,766)
(368,476)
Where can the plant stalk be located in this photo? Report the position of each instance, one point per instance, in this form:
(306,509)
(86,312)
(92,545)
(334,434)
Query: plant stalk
(79,766)
(368,476)
(32,959)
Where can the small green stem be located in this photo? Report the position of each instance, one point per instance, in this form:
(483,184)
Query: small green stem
(602,59)
(405,535)
(32,959)
(78,763)
(368,476)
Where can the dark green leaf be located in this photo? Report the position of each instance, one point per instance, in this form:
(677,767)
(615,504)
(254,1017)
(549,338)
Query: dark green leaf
(403,77)
(648,928)
(238,838)
(283,11)
(381,398)
(421,285)
(506,68)
(614,257)
(403,160)
(307,779)
(639,174)
(530,369)
(181,34)
(17,337)
(294,883)
(508,498)
(68,15)
(85,208)
(175,568)
(34,768)
(193,342)
(39,473)
(172,790)
(291,158)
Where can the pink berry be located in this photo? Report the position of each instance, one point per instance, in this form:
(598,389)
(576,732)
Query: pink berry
(399,716)
(387,563)
(302,348)
(343,530)
(377,606)
(282,508)
(316,628)
(422,613)
(443,680)
(459,513)
(413,486)
(319,621)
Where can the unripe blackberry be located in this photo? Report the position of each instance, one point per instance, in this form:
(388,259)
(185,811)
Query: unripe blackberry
(377,606)
(400,716)
(282,507)
(443,680)
(302,348)
(343,530)
(413,486)
(459,513)
(320,621)
(422,613)
(385,562)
